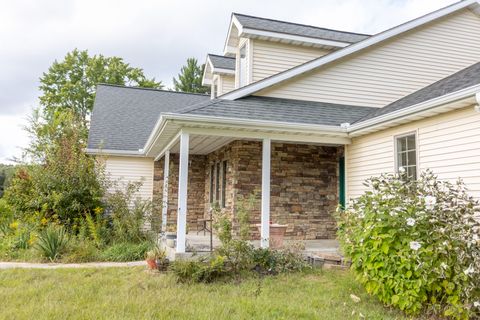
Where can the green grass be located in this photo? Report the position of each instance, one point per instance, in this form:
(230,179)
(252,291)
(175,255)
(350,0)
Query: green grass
(134,293)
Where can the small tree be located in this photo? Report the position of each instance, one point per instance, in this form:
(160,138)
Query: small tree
(190,78)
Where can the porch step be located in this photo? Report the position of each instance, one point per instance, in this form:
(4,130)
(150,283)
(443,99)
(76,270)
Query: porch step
(328,261)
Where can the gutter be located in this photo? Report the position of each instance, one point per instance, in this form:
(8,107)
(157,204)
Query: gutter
(416,108)
(114,152)
(244,123)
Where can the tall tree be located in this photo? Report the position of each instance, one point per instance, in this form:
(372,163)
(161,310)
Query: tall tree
(190,78)
(70,83)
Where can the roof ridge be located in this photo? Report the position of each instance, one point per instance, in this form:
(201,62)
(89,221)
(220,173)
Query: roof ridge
(151,89)
(301,24)
(297,100)
(220,56)
(198,106)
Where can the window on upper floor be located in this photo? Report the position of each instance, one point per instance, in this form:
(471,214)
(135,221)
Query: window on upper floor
(406,155)
(242,70)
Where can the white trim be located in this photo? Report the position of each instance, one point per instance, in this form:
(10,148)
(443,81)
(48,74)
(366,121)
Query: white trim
(248,33)
(223,71)
(303,68)
(258,124)
(182,193)
(395,150)
(166,174)
(172,142)
(356,129)
(114,152)
(265,212)
(284,137)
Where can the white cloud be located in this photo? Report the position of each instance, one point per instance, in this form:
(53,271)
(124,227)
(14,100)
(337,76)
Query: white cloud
(155,35)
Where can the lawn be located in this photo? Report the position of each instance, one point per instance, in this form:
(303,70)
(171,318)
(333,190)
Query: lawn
(134,293)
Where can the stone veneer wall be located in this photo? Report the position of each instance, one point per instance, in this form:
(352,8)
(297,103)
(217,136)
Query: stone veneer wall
(304,186)
(196,189)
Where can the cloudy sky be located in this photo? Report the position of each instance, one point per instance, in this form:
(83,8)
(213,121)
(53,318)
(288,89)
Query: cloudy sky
(156,35)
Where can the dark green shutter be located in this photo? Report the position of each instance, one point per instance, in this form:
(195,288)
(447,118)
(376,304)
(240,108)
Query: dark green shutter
(341,178)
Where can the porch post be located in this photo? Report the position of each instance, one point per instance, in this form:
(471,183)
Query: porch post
(182,193)
(166,174)
(265,218)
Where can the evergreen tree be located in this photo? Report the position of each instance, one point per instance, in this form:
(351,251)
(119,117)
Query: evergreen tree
(190,78)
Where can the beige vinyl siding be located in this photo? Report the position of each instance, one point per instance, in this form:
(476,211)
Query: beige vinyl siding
(270,57)
(388,71)
(448,144)
(227,84)
(131,169)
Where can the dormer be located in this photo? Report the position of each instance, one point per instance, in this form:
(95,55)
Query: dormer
(219,74)
(264,47)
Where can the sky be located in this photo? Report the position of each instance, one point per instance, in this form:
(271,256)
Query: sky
(157,36)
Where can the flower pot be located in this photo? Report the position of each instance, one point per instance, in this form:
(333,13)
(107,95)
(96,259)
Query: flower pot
(152,264)
(170,242)
(277,233)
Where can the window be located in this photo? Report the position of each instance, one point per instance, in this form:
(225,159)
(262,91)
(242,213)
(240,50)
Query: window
(224,183)
(406,149)
(242,74)
(217,183)
(212,172)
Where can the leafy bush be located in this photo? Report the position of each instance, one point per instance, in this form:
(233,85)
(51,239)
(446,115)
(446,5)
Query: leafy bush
(415,244)
(52,242)
(80,250)
(201,270)
(125,251)
(129,215)
(64,183)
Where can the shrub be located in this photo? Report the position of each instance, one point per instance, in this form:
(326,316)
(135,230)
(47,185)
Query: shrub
(126,251)
(80,250)
(415,244)
(201,270)
(129,215)
(52,242)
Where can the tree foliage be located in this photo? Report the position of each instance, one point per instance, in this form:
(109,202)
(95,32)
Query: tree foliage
(65,186)
(70,84)
(190,78)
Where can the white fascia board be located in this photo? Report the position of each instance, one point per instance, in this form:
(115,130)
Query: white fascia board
(223,71)
(259,124)
(208,66)
(301,69)
(247,33)
(357,128)
(234,22)
(113,152)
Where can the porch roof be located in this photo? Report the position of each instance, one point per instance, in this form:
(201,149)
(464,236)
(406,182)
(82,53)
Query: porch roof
(282,110)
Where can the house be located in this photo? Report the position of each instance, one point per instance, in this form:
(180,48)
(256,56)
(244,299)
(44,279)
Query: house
(301,116)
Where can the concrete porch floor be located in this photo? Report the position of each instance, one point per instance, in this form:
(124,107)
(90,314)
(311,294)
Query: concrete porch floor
(200,244)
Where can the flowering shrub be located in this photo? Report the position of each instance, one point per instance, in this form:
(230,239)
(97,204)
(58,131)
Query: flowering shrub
(415,244)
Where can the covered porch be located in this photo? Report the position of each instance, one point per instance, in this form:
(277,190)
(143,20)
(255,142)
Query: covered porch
(294,172)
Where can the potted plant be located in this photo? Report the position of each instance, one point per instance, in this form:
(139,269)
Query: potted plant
(171,236)
(277,233)
(156,259)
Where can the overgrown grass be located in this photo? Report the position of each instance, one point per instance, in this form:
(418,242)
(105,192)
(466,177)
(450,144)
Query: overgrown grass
(133,293)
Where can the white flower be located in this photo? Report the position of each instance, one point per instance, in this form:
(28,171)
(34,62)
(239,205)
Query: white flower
(469,270)
(430,202)
(410,222)
(476,304)
(414,245)
(401,170)
(443,265)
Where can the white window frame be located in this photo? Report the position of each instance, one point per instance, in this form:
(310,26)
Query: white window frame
(395,144)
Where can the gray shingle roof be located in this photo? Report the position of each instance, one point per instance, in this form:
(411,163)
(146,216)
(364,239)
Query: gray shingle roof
(298,29)
(464,78)
(222,62)
(124,117)
(276,109)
